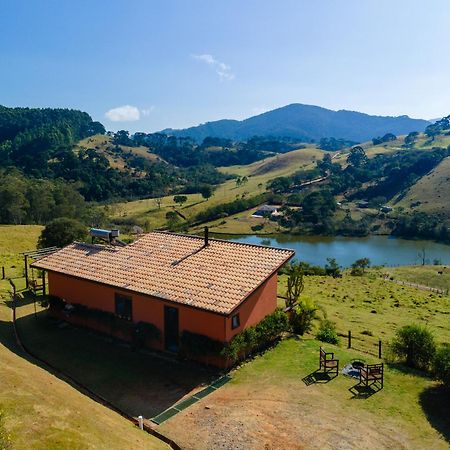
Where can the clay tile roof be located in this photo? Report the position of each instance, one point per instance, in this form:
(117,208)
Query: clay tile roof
(174,267)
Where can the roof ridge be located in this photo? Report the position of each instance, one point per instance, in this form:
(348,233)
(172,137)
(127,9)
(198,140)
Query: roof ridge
(283,249)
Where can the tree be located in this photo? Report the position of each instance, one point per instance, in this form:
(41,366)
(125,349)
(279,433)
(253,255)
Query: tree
(411,139)
(332,268)
(206,191)
(414,344)
(295,284)
(357,157)
(180,199)
(62,231)
(423,256)
(359,266)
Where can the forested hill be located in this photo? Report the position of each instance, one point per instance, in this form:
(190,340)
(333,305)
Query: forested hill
(30,137)
(306,123)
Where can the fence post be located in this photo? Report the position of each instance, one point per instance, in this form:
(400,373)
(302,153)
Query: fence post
(379,349)
(349,339)
(3,272)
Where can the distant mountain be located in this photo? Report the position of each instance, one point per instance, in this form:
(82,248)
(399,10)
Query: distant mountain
(305,122)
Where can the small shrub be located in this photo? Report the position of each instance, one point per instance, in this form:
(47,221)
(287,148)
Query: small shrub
(302,316)
(327,332)
(258,337)
(414,344)
(441,365)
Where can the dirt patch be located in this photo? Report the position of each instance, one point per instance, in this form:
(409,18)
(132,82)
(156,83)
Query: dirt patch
(292,417)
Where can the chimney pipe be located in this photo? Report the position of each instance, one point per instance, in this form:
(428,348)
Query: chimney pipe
(206,237)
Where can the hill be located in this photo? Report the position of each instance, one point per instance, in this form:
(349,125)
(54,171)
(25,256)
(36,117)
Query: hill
(431,193)
(305,122)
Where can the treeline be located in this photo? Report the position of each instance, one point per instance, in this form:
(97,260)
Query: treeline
(24,200)
(37,146)
(29,137)
(421,225)
(186,152)
(333,144)
(227,209)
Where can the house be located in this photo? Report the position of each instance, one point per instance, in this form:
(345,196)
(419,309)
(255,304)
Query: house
(174,282)
(266,211)
(362,204)
(386,209)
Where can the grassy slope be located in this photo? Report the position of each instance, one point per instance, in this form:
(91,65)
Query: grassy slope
(258,173)
(350,302)
(424,275)
(101,143)
(432,191)
(41,411)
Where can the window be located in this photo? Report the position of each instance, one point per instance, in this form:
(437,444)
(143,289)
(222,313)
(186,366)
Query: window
(235,322)
(124,306)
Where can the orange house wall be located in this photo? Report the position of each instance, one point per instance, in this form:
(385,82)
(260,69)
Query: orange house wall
(257,306)
(149,309)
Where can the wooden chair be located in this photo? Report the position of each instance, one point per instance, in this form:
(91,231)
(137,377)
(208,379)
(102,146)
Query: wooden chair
(327,362)
(371,374)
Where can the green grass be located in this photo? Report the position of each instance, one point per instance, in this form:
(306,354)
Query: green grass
(424,275)
(431,193)
(374,308)
(267,404)
(13,240)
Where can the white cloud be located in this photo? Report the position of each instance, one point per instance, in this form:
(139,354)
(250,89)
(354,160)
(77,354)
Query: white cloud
(223,70)
(125,113)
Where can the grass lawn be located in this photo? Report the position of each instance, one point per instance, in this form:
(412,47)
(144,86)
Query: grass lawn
(373,308)
(268,405)
(13,240)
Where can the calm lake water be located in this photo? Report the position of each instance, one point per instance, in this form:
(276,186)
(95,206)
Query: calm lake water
(381,250)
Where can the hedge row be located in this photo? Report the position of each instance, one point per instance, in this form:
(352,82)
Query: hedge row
(227,209)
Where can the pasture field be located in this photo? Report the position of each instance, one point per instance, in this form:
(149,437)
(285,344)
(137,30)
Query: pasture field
(432,276)
(374,308)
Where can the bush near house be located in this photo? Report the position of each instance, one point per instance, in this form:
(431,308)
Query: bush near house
(258,337)
(327,332)
(414,345)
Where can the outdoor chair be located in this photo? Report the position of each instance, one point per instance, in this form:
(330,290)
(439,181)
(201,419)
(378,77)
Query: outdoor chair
(327,363)
(371,374)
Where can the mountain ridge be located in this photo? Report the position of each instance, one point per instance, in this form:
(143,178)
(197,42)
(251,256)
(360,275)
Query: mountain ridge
(304,122)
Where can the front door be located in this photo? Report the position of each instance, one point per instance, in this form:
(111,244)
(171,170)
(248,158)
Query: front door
(171,335)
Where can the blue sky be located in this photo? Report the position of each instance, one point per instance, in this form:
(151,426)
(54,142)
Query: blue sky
(149,65)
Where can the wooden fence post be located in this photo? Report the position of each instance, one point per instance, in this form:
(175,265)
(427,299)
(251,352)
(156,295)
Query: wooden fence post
(3,273)
(379,349)
(349,339)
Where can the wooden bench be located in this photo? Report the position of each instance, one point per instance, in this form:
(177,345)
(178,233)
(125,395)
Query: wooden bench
(371,374)
(327,362)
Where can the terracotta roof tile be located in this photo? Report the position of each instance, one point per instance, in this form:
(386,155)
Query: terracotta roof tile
(174,267)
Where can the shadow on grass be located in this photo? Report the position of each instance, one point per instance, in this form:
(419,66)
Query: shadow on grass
(137,383)
(435,402)
(318,377)
(361,392)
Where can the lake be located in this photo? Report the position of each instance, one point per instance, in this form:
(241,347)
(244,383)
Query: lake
(381,250)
